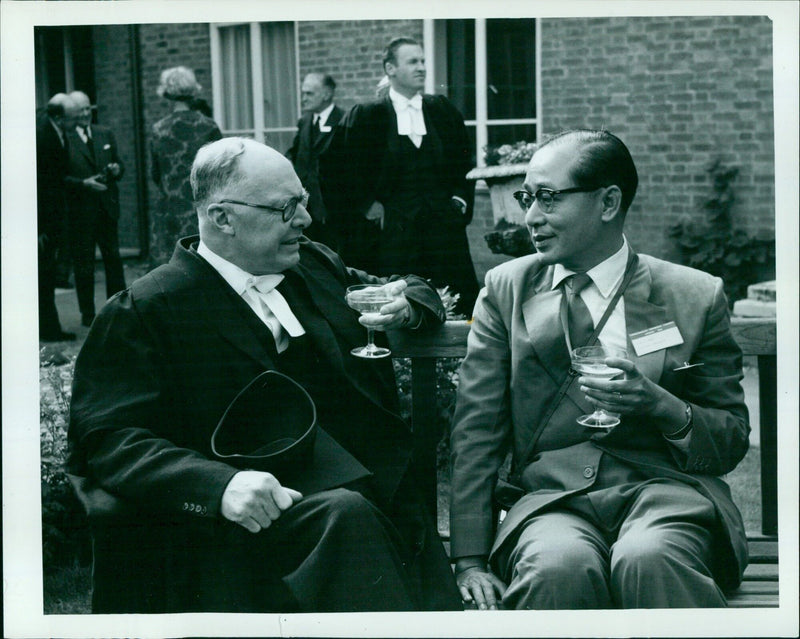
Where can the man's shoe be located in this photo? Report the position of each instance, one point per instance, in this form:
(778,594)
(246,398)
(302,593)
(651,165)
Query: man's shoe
(60,336)
(87,319)
(64,284)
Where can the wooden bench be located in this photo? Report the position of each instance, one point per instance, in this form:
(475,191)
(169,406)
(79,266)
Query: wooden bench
(756,337)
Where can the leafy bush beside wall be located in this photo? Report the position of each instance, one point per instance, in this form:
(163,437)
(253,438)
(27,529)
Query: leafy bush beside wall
(710,243)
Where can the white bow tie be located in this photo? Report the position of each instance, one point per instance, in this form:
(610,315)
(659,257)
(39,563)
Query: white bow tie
(278,316)
(410,120)
(264,283)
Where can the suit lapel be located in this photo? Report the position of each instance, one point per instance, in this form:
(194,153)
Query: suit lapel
(324,138)
(82,148)
(641,313)
(225,311)
(541,314)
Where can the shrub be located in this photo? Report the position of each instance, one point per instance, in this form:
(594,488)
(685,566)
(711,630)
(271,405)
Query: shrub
(65,534)
(711,244)
(517,153)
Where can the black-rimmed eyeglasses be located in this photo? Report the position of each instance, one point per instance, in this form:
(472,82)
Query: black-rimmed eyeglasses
(546,197)
(286,211)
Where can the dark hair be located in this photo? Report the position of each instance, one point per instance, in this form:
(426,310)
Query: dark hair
(604,160)
(390,52)
(328,81)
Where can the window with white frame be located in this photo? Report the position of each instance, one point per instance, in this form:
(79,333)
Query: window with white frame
(488,68)
(254,70)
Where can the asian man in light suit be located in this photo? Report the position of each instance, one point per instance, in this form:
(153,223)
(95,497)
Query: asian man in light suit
(636,517)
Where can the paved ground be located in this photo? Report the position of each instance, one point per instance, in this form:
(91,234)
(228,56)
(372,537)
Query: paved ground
(70,317)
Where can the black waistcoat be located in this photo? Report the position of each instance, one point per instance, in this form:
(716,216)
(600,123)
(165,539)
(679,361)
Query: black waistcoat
(417,184)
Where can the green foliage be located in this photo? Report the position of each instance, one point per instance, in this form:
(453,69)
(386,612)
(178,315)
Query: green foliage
(509,238)
(65,535)
(710,243)
(517,153)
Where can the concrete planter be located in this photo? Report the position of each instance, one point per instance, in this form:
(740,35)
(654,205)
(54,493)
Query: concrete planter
(510,235)
(502,181)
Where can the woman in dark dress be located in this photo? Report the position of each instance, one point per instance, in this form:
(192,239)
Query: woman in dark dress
(173,145)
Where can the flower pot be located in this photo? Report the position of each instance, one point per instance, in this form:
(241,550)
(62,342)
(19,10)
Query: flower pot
(502,181)
(510,235)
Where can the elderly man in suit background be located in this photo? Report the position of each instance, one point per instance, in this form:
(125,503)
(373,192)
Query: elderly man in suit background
(93,205)
(633,517)
(164,360)
(395,175)
(52,158)
(314,132)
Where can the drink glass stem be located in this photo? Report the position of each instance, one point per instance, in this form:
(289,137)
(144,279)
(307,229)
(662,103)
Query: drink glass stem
(370,339)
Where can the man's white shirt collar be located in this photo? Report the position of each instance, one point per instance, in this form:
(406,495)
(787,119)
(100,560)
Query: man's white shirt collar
(606,275)
(235,276)
(270,306)
(322,116)
(410,120)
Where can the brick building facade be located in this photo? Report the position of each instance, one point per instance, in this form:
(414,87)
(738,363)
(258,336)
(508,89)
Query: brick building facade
(681,91)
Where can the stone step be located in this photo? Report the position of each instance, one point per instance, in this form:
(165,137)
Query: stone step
(762,291)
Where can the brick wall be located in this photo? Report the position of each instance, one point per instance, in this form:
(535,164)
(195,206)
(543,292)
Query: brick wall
(161,46)
(351,52)
(112,62)
(680,92)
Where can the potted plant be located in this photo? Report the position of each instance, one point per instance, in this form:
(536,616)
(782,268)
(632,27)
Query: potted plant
(504,173)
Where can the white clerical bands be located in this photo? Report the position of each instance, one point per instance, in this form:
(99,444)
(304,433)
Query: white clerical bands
(262,288)
(410,120)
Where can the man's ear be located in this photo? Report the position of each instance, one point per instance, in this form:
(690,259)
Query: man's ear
(612,203)
(219,215)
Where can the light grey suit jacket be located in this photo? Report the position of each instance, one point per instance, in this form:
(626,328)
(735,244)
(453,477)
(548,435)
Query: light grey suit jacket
(516,359)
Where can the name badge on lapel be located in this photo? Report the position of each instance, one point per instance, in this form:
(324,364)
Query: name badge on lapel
(655,338)
(106,147)
(325,128)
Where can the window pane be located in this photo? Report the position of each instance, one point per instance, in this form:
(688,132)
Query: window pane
(510,133)
(510,68)
(280,82)
(461,66)
(237,85)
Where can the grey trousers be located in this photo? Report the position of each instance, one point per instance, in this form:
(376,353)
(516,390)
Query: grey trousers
(655,555)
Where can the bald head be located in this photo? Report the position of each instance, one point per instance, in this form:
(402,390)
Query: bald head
(82,108)
(241,189)
(316,92)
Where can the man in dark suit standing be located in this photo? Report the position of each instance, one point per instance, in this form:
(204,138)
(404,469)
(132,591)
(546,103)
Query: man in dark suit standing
(395,175)
(52,148)
(164,360)
(314,132)
(93,205)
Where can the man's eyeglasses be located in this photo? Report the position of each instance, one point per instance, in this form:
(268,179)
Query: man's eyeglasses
(287,211)
(546,197)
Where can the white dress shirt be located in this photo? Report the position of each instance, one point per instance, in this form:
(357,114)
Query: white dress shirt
(410,120)
(85,133)
(268,304)
(321,118)
(606,278)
